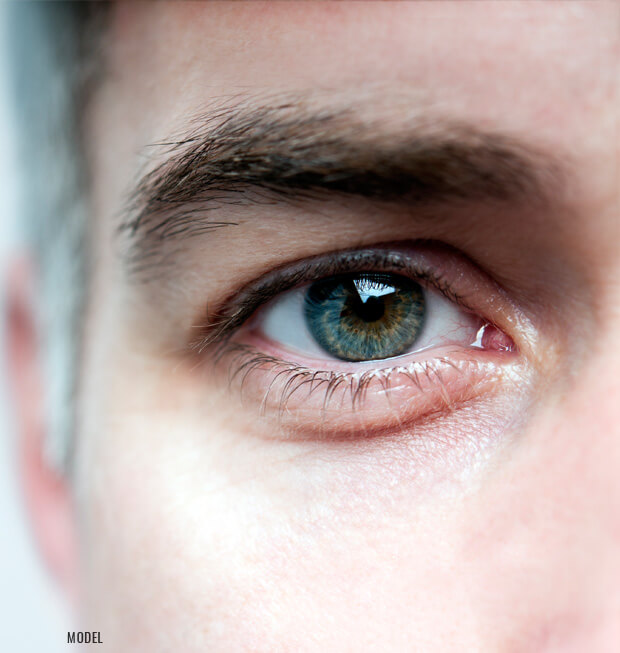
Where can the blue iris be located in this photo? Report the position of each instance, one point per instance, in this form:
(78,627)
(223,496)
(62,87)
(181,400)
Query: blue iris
(365,316)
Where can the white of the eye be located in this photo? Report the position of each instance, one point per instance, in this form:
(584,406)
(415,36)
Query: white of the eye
(283,322)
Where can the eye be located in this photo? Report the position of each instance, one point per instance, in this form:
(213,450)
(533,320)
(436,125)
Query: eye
(366,341)
(366,316)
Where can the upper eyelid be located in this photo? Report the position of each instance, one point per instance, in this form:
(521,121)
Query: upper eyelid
(217,326)
(435,160)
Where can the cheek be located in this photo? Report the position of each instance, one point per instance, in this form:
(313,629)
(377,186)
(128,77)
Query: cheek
(167,539)
(196,536)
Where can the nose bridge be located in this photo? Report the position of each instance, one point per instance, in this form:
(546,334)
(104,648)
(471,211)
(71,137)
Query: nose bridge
(552,534)
(561,523)
(584,451)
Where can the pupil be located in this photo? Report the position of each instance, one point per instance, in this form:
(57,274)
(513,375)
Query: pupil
(365,316)
(370,310)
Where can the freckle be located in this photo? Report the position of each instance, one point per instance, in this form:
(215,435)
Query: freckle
(494,339)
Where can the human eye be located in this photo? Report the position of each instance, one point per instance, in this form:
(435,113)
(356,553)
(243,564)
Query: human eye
(366,341)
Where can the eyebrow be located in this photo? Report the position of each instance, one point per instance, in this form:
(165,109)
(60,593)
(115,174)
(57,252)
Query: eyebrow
(248,154)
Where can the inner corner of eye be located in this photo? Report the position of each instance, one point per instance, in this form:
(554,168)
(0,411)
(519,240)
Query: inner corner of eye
(492,338)
(367,316)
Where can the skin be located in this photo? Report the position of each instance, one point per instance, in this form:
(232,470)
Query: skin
(183,525)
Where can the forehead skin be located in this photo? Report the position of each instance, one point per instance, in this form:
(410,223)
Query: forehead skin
(197,537)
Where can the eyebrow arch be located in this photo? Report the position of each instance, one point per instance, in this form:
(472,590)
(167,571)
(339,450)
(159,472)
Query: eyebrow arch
(248,154)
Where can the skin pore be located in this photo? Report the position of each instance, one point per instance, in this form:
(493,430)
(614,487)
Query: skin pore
(472,505)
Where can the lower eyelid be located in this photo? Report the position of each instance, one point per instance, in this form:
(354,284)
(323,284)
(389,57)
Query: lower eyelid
(307,403)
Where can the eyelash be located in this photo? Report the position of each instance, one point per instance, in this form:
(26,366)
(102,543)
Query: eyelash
(237,310)
(427,376)
(245,360)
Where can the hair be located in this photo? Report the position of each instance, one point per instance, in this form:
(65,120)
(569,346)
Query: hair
(55,54)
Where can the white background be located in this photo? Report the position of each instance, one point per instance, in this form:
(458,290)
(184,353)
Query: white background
(32,614)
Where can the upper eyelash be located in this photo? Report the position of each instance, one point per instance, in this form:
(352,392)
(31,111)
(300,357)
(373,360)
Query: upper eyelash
(220,325)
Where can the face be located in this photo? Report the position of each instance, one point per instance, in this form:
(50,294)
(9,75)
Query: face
(349,379)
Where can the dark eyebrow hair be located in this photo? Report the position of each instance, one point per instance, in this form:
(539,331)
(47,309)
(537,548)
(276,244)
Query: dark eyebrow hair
(247,154)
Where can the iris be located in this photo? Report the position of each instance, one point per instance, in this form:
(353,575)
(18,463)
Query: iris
(365,316)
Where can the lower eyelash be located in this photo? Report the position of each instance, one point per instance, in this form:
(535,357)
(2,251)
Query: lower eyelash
(425,377)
